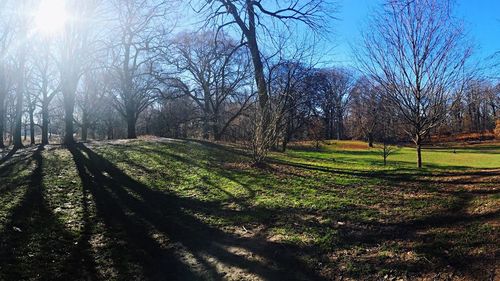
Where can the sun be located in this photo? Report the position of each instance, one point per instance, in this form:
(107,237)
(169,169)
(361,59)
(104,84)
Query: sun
(51,16)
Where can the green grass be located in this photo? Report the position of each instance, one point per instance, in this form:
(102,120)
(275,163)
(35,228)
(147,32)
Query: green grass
(355,155)
(189,210)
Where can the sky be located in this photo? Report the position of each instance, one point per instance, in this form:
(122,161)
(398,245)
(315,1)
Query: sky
(482,19)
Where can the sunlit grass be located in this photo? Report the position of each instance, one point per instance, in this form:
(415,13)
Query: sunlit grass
(356,154)
(340,203)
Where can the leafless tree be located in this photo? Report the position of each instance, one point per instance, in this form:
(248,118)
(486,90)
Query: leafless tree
(6,40)
(366,107)
(21,29)
(75,51)
(291,97)
(416,51)
(45,82)
(215,74)
(140,27)
(333,89)
(386,149)
(254,20)
(91,101)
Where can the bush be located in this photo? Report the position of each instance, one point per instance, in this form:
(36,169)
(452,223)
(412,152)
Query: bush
(496,132)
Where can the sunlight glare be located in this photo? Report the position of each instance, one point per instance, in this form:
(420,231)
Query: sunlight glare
(51,16)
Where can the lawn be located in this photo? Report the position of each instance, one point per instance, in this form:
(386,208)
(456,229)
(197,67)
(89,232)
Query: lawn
(188,210)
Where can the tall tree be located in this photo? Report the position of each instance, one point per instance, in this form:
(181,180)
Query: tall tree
(6,36)
(214,73)
(291,96)
(416,50)
(366,109)
(250,17)
(333,89)
(92,101)
(134,53)
(75,52)
(22,30)
(46,83)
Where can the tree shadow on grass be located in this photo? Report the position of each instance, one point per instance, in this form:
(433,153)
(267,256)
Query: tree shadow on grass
(7,156)
(34,242)
(448,240)
(138,217)
(155,235)
(403,175)
(213,156)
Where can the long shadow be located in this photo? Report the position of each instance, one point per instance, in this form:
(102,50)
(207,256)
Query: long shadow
(8,156)
(132,211)
(5,159)
(34,243)
(164,156)
(425,234)
(134,215)
(402,175)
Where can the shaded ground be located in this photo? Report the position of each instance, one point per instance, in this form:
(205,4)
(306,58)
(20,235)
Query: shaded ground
(185,210)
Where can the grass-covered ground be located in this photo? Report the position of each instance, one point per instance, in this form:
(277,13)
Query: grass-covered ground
(188,210)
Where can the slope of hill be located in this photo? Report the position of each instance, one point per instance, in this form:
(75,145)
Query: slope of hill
(189,210)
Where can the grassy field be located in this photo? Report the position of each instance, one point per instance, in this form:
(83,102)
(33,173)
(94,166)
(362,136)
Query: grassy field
(189,210)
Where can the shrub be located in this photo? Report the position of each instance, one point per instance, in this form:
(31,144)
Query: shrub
(496,132)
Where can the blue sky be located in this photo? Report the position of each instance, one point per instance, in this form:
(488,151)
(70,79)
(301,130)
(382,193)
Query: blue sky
(482,18)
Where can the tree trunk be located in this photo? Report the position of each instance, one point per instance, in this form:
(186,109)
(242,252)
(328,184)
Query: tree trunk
(217,135)
(370,139)
(2,119)
(69,108)
(418,142)
(45,123)
(284,144)
(18,142)
(340,129)
(85,126)
(85,130)
(32,127)
(110,132)
(206,127)
(131,121)
(331,128)
(260,80)
(215,126)
(328,127)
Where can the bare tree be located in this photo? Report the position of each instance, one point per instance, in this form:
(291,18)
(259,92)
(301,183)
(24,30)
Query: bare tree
(249,17)
(140,27)
(333,89)
(416,51)
(215,75)
(291,97)
(387,128)
(22,30)
(6,36)
(46,83)
(75,49)
(31,97)
(91,101)
(386,149)
(364,110)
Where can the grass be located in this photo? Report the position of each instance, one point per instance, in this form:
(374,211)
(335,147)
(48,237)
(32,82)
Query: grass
(190,210)
(357,155)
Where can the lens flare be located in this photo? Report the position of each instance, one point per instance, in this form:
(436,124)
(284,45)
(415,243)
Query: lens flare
(51,16)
